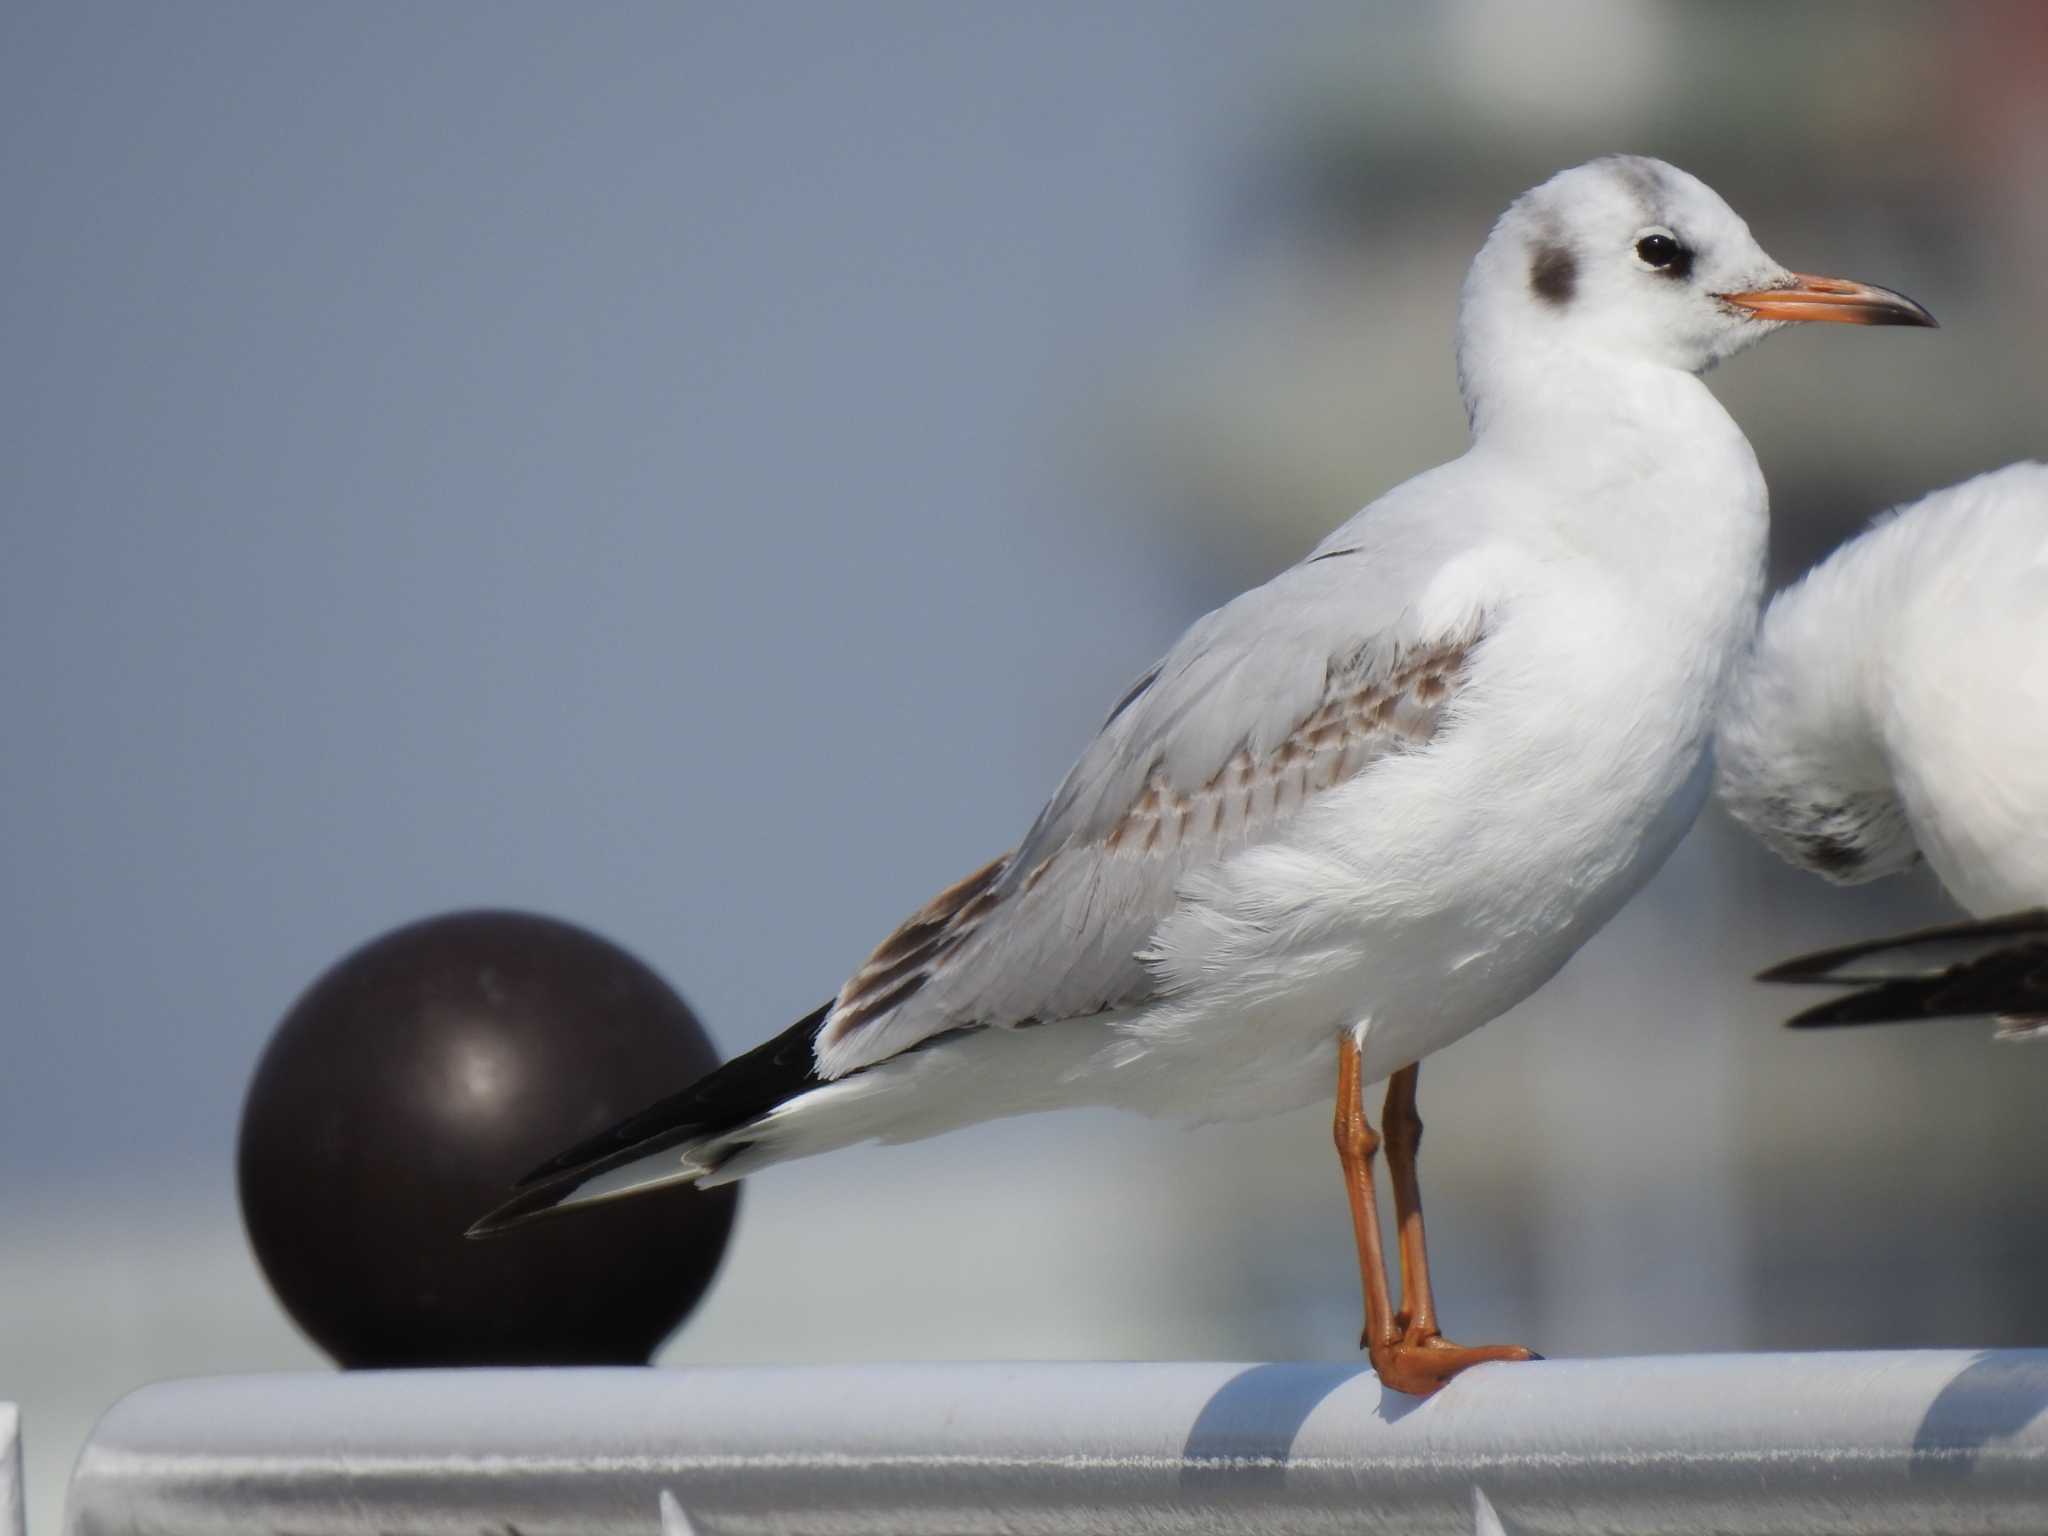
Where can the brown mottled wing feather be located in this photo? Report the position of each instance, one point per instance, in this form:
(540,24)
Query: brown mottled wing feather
(1264,705)
(906,960)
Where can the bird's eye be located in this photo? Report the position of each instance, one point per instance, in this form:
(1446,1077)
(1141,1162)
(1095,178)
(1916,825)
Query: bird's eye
(1660,251)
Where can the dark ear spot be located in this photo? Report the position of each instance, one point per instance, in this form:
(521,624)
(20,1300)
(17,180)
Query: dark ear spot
(1553,273)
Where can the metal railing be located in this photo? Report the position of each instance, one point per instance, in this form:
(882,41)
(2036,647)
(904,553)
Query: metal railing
(1946,1441)
(13,1516)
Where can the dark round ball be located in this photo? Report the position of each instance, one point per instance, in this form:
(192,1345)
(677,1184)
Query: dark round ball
(403,1096)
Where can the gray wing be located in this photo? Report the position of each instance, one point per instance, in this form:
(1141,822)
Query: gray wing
(1273,699)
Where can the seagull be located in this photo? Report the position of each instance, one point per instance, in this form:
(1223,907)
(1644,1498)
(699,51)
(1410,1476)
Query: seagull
(1359,811)
(1896,708)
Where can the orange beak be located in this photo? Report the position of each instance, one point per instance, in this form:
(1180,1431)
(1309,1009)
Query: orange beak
(1830,298)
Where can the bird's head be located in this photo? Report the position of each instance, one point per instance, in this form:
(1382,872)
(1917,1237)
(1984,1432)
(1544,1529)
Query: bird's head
(1633,259)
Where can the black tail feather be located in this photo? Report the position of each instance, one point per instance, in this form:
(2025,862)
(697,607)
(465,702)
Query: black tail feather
(1994,966)
(744,1089)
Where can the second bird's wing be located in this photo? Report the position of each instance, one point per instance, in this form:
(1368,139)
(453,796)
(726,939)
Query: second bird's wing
(1995,965)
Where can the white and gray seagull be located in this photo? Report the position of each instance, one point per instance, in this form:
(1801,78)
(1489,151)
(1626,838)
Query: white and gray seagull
(1896,708)
(1359,811)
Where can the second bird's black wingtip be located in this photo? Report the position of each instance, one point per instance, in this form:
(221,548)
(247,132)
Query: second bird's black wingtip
(1824,966)
(1979,966)
(1875,1006)
(1800,968)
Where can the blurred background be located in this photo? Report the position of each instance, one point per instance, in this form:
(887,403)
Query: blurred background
(598,458)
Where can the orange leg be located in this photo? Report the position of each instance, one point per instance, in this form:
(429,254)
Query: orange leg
(1403,1125)
(1406,1347)
(1356,1146)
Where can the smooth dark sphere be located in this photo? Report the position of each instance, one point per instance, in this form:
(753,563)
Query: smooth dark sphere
(401,1098)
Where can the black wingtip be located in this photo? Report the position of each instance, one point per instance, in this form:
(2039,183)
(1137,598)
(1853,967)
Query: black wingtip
(529,1206)
(1828,967)
(636,1133)
(590,1150)
(1896,1003)
(563,1192)
(1984,966)
(744,1089)
(1800,968)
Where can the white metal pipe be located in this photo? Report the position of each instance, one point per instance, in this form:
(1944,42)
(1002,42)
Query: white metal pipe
(1948,1441)
(13,1515)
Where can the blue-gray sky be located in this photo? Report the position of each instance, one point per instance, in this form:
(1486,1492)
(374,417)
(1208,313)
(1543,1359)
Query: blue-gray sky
(628,461)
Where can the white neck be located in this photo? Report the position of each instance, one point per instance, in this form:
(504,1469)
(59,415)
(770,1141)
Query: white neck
(1643,455)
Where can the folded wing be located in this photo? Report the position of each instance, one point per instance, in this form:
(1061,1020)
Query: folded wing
(1294,688)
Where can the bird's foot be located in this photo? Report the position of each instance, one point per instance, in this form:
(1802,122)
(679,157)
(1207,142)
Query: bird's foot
(1420,1363)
